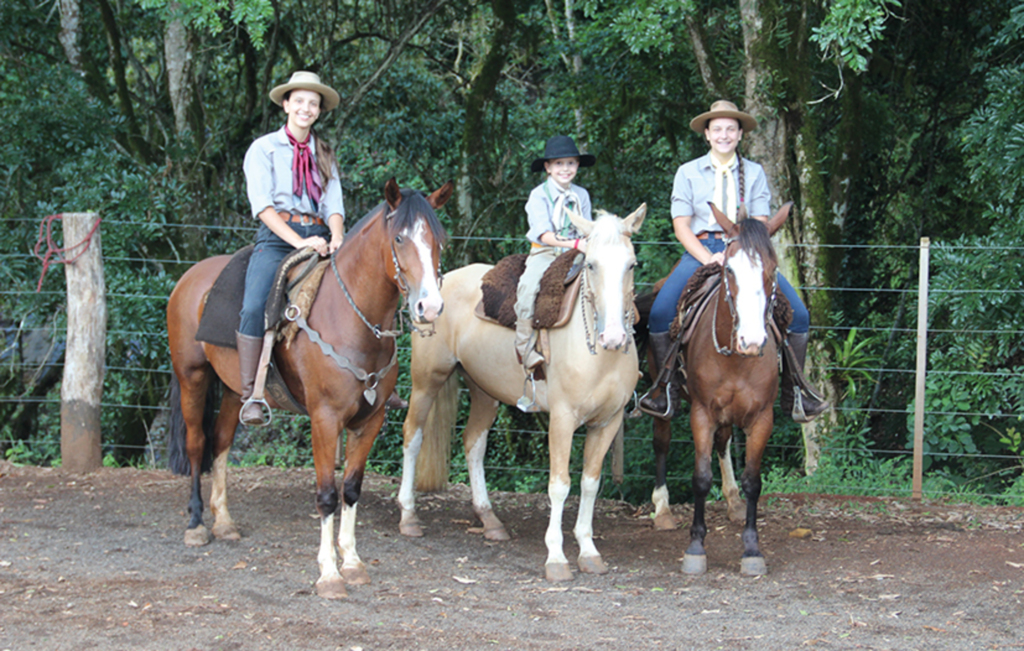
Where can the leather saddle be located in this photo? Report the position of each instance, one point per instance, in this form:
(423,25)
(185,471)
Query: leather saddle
(559,289)
(296,282)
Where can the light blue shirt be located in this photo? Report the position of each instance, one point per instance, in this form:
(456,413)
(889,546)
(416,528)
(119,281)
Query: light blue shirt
(694,186)
(540,206)
(268,179)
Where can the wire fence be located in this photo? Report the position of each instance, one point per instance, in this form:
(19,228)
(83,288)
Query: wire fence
(637,437)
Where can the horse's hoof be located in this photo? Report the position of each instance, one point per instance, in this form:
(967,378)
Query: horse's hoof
(592,565)
(197,537)
(497,534)
(355,575)
(753,566)
(738,513)
(332,588)
(557,572)
(493,527)
(410,529)
(695,563)
(226,532)
(665,522)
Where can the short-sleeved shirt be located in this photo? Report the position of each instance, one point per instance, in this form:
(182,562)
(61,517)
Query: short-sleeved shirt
(694,186)
(268,180)
(540,206)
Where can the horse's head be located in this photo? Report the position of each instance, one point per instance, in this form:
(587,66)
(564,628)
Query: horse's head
(750,277)
(609,265)
(416,239)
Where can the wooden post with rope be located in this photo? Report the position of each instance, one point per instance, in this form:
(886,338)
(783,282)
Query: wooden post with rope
(82,386)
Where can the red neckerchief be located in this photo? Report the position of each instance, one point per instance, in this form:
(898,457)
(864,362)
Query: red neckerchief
(305,175)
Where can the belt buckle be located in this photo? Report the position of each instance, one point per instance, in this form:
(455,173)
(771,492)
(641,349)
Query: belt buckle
(305,220)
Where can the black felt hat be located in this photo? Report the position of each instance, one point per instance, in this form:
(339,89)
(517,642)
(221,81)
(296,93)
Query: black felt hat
(561,147)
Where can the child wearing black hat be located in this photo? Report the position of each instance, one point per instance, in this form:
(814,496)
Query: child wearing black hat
(550,233)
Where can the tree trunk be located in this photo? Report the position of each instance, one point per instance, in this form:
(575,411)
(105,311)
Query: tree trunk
(70,24)
(473,163)
(178,57)
(82,387)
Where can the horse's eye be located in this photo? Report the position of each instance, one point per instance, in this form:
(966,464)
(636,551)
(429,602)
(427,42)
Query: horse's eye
(590,266)
(398,239)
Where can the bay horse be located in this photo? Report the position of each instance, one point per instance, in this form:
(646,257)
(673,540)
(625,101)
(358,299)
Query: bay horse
(732,377)
(393,251)
(590,376)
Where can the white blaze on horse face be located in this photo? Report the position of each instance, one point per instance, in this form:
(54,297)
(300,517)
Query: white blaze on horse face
(427,304)
(610,262)
(751,334)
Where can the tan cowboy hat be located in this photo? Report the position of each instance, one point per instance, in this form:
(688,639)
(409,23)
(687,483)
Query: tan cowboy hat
(723,109)
(304,80)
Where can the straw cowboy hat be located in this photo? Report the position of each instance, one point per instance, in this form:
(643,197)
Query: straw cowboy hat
(304,80)
(723,109)
(561,147)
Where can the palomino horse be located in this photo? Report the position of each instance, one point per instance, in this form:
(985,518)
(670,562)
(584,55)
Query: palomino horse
(732,376)
(394,250)
(587,383)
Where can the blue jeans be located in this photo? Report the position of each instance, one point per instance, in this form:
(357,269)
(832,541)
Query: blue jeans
(259,277)
(664,308)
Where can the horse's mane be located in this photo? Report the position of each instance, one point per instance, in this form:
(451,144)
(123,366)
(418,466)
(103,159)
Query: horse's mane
(755,240)
(414,203)
(603,234)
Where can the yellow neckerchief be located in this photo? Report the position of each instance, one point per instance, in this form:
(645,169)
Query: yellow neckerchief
(723,171)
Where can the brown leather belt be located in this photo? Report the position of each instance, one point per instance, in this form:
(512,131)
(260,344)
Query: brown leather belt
(305,220)
(710,235)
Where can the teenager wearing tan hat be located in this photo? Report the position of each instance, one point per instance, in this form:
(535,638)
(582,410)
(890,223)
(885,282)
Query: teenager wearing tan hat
(740,188)
(294,190)
(550,234)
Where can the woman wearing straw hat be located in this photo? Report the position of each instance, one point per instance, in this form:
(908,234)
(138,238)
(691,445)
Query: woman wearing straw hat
(740,187)
(294,190)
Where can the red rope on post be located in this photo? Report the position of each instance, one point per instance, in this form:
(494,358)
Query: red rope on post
(46,236)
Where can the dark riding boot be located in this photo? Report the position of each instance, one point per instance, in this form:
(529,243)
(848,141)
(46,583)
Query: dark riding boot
(395,401)
(249,349)
(803,406)
(661,400)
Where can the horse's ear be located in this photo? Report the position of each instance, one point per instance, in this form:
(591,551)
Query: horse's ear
(582,225)
(775,223)
(721,218)
(392,193)
(636,219)
(441,196)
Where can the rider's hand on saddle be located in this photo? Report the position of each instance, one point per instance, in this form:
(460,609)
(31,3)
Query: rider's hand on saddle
(318,243)
(717,257)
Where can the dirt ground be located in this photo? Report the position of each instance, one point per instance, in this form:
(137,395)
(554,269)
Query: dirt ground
(97,562)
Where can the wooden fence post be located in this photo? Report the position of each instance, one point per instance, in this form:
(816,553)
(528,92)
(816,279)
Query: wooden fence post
(922,367)
(82,386)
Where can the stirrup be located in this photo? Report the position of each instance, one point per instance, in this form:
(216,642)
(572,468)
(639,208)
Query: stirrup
(528,405)
(668,413)
(265,411)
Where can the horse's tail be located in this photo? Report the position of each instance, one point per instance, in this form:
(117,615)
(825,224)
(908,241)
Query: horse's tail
(435,454)
(177,435)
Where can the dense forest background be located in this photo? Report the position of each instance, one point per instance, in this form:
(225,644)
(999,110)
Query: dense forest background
(885,121)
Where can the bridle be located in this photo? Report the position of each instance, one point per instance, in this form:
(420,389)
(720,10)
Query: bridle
(587,300)
(730,300)
(369,380)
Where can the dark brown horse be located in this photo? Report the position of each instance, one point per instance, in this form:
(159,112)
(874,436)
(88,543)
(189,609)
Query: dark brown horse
(393,251)
(732,377)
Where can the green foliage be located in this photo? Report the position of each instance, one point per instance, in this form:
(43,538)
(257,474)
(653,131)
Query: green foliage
(850,28)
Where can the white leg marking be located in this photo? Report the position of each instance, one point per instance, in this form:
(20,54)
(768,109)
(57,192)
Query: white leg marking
(557,492)
(475,466)
(219,490)
(327,558)
(407,491)
(660,499)
(584,529)
(347,537)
